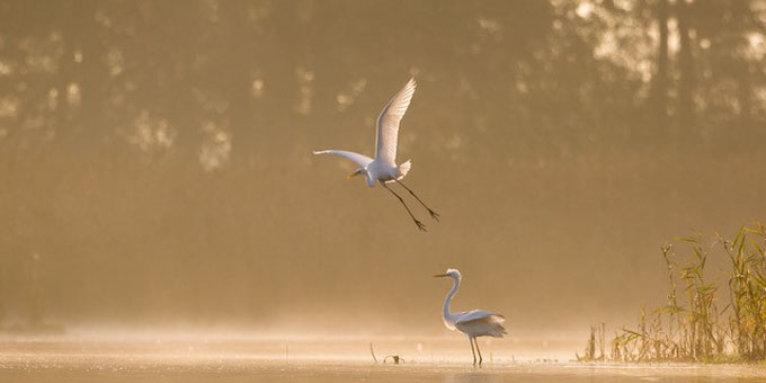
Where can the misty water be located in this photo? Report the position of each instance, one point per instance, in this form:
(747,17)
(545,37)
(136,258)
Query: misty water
(162,217)
(247,358)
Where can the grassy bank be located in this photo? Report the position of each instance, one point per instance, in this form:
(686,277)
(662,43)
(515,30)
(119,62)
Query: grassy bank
(693,325)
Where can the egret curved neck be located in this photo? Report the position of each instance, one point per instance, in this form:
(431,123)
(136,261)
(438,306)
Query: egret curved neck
(448,300)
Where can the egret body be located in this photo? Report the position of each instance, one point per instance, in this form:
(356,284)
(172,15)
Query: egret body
(383,168)
(474,323)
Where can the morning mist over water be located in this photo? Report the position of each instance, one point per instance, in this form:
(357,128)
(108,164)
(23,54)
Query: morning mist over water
(156,168)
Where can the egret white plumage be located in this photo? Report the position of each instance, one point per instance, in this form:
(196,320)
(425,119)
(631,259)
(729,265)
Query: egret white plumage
(383,168)
(474,323)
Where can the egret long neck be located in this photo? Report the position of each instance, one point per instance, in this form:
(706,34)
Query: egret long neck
(448,299)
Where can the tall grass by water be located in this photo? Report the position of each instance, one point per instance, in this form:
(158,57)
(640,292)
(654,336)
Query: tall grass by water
(693,326)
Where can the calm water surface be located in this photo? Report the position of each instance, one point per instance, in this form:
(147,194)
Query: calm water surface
(262,360)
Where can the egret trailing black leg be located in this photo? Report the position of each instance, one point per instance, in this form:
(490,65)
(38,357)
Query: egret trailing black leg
(420,225)
(477,349)
(433,214)
(470,340)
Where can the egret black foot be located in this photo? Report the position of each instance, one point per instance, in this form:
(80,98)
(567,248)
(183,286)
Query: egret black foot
(421,226)
(434,215)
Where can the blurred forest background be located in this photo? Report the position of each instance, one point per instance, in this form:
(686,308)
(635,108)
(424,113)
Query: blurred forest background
(156,167)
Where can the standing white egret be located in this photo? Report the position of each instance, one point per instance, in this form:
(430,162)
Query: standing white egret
(383,168)
(474,323)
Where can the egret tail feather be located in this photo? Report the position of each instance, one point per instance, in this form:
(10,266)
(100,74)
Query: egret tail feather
(404,168)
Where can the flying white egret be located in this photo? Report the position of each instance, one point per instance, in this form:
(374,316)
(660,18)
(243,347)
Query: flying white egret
(383,168)
(474,323)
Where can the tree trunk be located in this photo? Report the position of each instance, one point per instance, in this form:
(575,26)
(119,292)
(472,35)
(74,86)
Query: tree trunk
(660,86)
(686,67)
(745,96)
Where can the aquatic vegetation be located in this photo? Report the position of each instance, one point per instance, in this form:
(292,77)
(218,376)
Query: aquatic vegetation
(747,286)
(596,335)
(691,326)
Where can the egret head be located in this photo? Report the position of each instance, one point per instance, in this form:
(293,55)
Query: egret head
(451,273)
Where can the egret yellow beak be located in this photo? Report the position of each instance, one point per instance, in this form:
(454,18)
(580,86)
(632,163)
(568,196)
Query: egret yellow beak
(440,275)
(355,173)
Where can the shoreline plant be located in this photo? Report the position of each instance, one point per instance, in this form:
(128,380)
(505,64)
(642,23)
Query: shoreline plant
(691,327)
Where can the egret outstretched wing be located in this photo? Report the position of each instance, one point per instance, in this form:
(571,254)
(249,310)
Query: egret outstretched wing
(360,159)
(388,124)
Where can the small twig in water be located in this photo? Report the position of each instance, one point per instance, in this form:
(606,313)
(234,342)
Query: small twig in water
(373,354)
